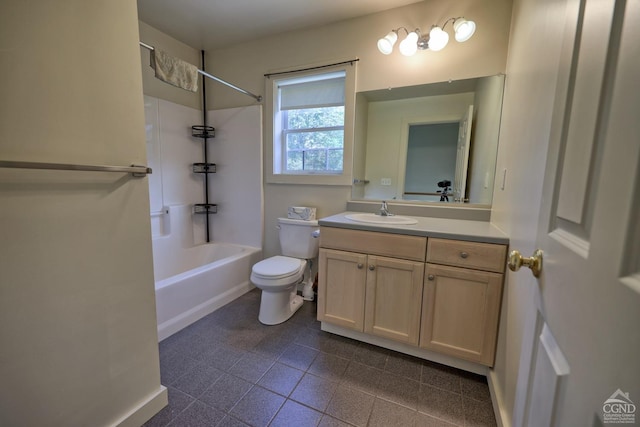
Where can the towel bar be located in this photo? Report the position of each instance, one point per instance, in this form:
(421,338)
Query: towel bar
(134,170)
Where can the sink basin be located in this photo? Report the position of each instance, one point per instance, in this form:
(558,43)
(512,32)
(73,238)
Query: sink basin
(378,219)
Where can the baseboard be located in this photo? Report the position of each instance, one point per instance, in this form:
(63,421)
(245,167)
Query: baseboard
(499,409)
(147,409)
(181,321)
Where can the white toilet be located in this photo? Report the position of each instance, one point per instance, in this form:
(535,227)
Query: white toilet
(279,275)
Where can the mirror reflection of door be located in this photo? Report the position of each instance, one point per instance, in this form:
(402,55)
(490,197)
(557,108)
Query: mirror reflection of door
(437,157)
(462,157)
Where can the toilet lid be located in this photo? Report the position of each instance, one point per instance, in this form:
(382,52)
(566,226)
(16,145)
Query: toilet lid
(277,267)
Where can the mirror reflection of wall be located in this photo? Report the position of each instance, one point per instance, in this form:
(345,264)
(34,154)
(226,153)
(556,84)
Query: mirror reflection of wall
(382,139)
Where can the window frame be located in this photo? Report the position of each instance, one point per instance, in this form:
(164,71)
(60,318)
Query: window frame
(274,144)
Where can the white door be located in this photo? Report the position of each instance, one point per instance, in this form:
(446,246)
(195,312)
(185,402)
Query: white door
(462,156)
(578,364)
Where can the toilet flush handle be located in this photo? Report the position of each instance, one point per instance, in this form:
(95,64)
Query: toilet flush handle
(316,233)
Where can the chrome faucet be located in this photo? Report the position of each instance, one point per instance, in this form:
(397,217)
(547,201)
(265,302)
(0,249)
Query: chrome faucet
(384,209)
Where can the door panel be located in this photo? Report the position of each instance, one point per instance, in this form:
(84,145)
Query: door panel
(460,312)
(394,298)
(462,156)
(586,297)
(341,288)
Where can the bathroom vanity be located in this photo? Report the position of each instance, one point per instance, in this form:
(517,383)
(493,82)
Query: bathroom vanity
(432,289)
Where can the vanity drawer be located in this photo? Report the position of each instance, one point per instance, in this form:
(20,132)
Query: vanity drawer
(481,256)
(369,242)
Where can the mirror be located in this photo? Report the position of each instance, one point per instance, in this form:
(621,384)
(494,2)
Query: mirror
(430,143)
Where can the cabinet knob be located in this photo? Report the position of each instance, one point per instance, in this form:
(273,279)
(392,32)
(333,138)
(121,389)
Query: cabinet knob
(431,277)
(360,266)
(464,255)
(371,267)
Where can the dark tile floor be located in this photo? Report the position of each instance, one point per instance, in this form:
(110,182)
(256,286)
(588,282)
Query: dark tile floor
(229,370)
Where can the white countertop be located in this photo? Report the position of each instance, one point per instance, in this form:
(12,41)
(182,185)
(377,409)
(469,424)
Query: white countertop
(475,231)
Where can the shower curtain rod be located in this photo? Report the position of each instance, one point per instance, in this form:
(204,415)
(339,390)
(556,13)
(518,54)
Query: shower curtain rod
(212,77)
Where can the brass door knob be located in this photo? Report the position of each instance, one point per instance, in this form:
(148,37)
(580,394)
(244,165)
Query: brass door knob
(516,260)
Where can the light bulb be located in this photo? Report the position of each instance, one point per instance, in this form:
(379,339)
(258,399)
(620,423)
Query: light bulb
(409,46)
(438,39)
(464,29)
(385,44)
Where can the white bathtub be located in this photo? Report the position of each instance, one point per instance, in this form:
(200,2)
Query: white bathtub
(193,282)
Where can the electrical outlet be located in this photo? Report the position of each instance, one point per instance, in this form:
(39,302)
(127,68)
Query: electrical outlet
(385,181)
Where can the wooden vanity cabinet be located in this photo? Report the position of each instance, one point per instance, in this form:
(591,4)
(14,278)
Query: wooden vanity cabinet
(436,294)
(372,282)
(462,296)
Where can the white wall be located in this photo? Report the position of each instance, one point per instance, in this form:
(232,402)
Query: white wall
(524,135)
(237,186)
(77,308)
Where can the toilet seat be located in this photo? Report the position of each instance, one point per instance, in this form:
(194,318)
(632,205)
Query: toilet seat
(278,270)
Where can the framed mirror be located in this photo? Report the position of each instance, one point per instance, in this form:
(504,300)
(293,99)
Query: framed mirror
(430,143)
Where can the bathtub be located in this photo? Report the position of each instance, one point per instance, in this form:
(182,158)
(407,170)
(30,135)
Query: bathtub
(193,282)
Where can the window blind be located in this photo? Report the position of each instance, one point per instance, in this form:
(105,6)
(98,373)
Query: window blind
(312,94)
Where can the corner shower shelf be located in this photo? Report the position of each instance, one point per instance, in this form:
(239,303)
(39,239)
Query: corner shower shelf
(204,168)
(203,131)
(205,208)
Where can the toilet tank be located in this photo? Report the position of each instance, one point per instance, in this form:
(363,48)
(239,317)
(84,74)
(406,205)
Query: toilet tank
(296,238)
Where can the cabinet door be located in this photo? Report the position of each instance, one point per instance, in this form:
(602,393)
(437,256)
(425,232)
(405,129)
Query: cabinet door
(460,312)
(341,288)
(394,298)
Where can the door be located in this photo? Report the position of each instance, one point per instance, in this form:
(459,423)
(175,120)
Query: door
(341,288)
(393,298)
(462,156)
(460,312)
(571,346)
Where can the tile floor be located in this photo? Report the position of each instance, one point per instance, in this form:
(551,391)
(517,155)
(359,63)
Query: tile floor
(229,370)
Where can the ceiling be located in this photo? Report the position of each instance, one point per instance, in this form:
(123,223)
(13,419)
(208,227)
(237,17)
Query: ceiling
(212,24)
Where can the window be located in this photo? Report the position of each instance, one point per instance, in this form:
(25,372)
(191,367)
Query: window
(312,128)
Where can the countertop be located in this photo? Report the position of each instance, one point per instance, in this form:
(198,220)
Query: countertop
(474,231)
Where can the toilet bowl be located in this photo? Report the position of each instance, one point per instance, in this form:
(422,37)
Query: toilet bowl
(278,277)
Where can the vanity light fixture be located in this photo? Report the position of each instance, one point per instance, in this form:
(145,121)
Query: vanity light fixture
(436,40)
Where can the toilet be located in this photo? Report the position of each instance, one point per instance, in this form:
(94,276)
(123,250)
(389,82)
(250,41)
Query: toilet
(278,277)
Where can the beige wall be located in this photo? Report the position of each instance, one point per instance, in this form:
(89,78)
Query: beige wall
(245,65)
(77,309)
(157,88)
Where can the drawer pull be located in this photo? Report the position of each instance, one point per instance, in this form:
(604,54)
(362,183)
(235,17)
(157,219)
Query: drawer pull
(371,267)
(360,266)
(431,277)
(464,255)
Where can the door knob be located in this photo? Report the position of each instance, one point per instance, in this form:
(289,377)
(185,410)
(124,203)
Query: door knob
(360,266)
(372,267)
(516,260)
